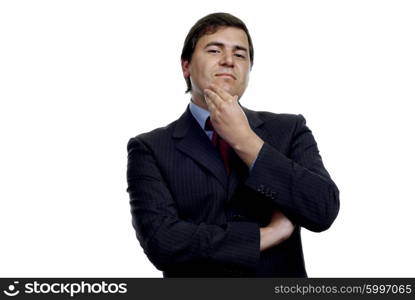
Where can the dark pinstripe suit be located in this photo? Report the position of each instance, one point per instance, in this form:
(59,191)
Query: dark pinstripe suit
(193,220)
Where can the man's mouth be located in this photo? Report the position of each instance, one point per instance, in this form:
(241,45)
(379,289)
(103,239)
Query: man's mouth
(226,75)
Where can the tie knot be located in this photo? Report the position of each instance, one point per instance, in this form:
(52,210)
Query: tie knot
(208,125)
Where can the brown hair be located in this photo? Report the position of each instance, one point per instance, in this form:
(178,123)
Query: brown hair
(208,25)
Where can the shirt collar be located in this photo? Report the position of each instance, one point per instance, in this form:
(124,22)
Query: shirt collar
(200,114)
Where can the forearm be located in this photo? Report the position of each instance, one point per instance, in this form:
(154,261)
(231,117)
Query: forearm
(307,195)
(177,242)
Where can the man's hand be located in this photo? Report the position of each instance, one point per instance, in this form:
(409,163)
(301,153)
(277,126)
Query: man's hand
(231,124)
(278,230)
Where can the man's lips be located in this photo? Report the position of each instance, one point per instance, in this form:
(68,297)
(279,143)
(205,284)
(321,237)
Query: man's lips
(225,75)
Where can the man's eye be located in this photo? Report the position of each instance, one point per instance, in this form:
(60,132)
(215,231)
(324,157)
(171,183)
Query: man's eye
(240,55)
(213,51)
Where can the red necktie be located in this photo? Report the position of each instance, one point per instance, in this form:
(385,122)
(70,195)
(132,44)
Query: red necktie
(221,144)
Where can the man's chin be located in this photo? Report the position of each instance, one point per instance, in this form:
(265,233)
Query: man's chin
(227,86)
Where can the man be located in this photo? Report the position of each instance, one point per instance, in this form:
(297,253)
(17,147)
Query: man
(223,191)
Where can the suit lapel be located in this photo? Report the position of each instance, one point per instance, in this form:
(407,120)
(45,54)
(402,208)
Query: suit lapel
(193,141)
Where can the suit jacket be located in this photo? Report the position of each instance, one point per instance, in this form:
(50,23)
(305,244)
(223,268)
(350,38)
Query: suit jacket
(193,220)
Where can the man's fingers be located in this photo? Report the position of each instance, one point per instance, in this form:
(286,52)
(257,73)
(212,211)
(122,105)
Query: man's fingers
(209,104)
(222,93)
(213,97)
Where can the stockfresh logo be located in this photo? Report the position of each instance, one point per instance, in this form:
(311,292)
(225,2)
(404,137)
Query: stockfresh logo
(12,289)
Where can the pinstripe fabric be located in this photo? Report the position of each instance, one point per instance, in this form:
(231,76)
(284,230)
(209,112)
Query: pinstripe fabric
(192,219)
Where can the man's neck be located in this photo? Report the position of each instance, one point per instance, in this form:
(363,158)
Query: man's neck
(199,101)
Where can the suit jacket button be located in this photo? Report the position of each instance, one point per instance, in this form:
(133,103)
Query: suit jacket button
(238,217)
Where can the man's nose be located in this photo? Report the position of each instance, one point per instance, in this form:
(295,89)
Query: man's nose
(227,59)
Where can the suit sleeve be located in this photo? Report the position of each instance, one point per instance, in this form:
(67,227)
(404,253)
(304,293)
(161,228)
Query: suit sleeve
(298,184)
(169,241)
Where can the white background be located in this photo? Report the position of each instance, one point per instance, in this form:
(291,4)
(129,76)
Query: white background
(79,78)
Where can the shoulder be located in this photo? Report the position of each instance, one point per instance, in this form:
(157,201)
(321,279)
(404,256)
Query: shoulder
(271,119)
(155,136)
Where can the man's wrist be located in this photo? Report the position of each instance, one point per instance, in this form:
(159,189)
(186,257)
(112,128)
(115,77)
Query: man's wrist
(249,148)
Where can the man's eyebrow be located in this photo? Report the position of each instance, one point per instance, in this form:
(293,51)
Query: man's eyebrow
(241,48)
(218,44)
(214,44)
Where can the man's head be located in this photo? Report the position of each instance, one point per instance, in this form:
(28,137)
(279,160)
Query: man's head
(218,49)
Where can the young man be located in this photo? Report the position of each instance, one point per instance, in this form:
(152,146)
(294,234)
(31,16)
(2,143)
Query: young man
(223,191)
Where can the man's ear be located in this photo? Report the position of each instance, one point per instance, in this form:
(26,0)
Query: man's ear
(186,68)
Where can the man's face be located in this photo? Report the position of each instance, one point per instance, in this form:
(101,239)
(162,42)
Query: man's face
(221,58)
